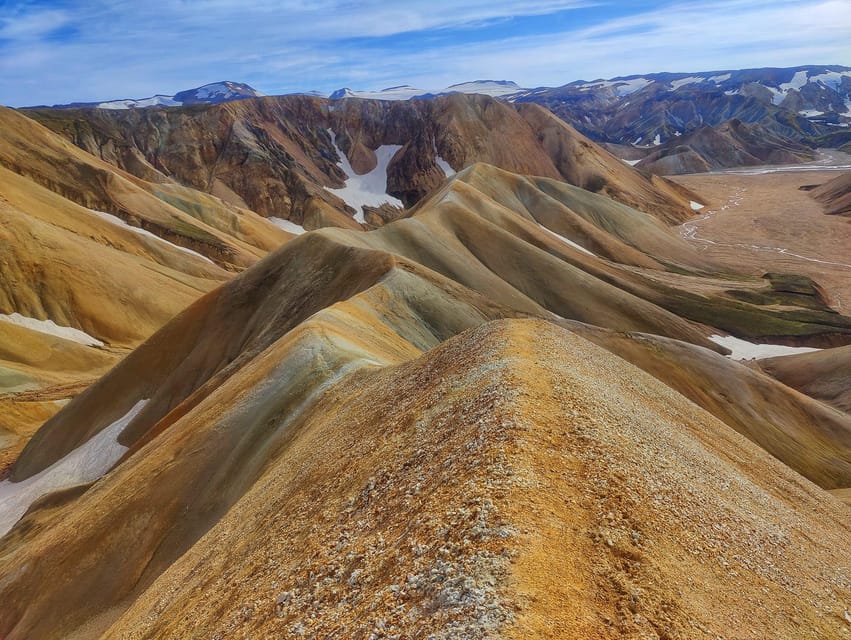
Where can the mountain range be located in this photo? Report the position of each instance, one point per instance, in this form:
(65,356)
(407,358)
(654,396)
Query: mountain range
(296,366)
(798,108)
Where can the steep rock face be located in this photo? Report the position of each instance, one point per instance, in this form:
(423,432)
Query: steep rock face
(276,157)
(732,144)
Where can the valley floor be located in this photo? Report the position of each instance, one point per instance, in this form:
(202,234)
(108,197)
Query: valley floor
(756,223)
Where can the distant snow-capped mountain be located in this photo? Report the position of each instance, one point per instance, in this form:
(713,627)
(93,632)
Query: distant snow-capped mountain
(212,93)
(493,88)
(651,109)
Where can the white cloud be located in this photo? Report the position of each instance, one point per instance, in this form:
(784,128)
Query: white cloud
(127,49)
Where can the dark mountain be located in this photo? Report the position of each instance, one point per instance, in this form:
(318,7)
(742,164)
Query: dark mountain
(800,103)
(213,93)
(731,144)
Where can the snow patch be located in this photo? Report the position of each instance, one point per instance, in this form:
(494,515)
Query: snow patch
(744,350)
(369,189)
(622,87)
(777,96)
(722,78)
(142,232)
(155,101)
(447,169)
(811,113)
(832,79)
(631,163)
(676,84)
(87,463)
(696,206)
(797,81)
(51,328)
(567,241)
(657,140)
(404,92)
(287,225)
(493,88)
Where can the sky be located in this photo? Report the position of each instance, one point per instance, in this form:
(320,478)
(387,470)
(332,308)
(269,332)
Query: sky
(60,51)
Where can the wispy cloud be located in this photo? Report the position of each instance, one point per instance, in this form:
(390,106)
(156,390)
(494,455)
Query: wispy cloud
(99,49)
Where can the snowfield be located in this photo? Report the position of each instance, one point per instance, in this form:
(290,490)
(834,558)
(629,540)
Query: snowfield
(744,350)
(85,464)
(51,328)
(155,101)
(447,169)
(369,189)
(568,241)
(120,223)
(287,225)
(622,87)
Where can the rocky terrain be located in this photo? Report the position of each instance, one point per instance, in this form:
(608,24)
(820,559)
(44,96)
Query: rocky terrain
(94,260)
(494,402)
(278,157)
(799,103)
(728,145)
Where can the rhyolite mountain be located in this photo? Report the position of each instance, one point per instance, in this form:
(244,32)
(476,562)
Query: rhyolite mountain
(499,416)
(807,105)
(494,405)
(282,157)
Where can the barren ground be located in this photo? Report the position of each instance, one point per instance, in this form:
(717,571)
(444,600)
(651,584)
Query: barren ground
(758,222)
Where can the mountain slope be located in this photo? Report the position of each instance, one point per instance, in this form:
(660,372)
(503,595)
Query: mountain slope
(803,104)
(351,390)
(278,157)
(458,441)
(824,375)
(835,195)
(94,261)
(732,144)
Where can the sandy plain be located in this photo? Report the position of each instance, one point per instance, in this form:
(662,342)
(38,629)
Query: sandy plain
(760,222)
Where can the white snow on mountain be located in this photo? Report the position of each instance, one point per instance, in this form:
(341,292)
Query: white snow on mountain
(221,90)
(744,350)
(142,232)
(403,92)
(622,87)
(676,84)
(798,81)
(369,189)
(51,328)
(155,101)
(287,225)
(213,92)
(832,79)
(493,88)
(567,241)
(85,464)
(722,78)
(447,169)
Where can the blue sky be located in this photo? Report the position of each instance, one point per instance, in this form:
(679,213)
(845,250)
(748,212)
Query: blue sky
(66,50)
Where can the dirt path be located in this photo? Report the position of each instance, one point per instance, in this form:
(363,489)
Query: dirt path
(761,222)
